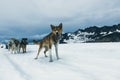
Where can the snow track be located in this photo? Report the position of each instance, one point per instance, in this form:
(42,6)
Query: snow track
(17,67)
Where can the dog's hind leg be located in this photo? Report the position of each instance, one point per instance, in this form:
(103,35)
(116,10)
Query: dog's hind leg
(50,53)
(46,49)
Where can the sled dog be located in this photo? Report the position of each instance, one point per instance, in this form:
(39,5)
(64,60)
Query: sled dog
(51,39)
(23,44)
(13,45)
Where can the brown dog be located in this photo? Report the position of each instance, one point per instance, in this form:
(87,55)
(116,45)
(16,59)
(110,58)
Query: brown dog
(49,40)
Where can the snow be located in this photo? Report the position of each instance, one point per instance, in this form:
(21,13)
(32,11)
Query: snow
(103,33)
(80,61)
(80,37)
(117,30)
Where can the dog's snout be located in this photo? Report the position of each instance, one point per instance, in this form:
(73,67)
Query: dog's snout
(57,33)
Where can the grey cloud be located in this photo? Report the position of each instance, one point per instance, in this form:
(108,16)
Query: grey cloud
(36,15)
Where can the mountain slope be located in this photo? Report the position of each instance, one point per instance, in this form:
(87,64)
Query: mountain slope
(113,37)
(94,34)
(90,34)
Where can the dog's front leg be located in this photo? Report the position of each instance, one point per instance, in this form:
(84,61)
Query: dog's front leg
(25,48)
(56,50)
(38,53)
(18,49)
(50,54)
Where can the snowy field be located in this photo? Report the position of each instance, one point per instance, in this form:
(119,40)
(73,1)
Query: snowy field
(83,61)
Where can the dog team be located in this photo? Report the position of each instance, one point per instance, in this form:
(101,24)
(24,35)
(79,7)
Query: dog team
(15,45)
(47,42)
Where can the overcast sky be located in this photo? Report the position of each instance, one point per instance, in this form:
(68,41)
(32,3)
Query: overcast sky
(29,17)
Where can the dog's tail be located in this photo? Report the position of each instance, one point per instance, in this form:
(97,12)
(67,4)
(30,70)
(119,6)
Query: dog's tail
(36,42)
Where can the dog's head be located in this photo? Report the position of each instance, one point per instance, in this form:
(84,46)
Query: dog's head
(23,41)
(57,30)
(14,41)
(36,42)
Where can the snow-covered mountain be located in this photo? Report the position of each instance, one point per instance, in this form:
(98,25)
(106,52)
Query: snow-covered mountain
(90,34)
(93,34)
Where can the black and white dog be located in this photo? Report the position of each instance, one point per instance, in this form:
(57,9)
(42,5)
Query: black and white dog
(13,45)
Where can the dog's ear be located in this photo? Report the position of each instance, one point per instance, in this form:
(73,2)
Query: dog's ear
(52,26)
(60,25)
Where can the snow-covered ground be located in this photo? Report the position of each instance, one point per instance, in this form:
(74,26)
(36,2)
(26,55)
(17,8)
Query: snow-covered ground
(80,61)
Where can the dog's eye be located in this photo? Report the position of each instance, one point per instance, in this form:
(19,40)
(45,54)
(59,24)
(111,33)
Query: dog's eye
(54,29)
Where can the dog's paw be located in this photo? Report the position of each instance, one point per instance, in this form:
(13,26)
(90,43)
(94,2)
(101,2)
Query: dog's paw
(46,56)
(58,58)
(35,58)
(51,61)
